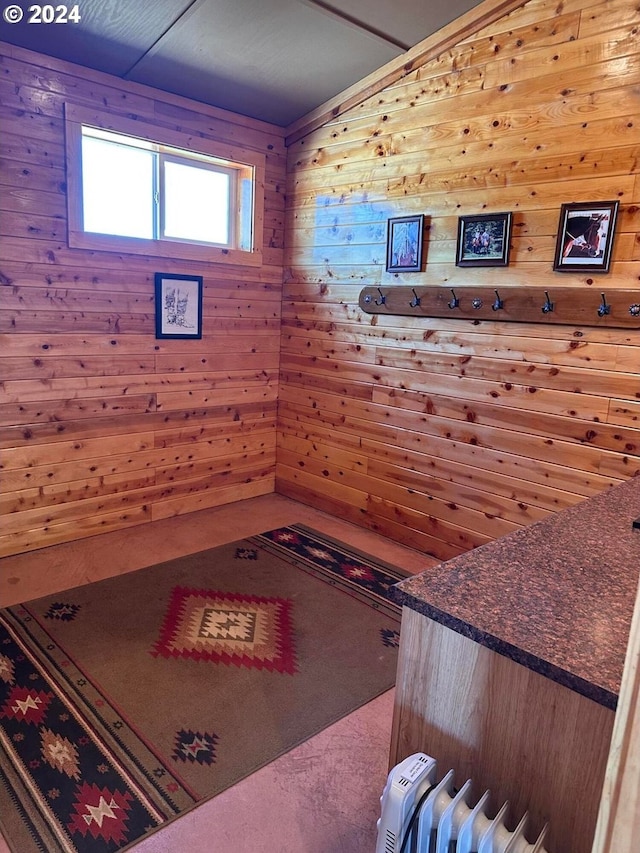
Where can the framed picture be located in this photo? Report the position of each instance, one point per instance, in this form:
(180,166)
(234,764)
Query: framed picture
(404,243)
(178,305)
(484,240)
(585,236)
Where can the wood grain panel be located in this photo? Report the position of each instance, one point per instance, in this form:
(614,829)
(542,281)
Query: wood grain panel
(452,463)
(385,486)
(24,68)
(30,540)
(466,25)
(562,464)
(456,384)
(618,827)
(168,427)
(101,423)
(528,740)
(204,478)
(593,46)
(201,499)
(533,110)
(68,469)
(589,346)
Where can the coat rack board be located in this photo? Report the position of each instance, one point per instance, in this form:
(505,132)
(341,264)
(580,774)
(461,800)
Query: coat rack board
(567,305)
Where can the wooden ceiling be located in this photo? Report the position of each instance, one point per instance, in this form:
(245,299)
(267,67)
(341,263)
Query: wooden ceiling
(274,60)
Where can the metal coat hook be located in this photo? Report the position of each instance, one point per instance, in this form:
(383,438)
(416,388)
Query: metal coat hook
(603,308)
(547,308)
(505,303)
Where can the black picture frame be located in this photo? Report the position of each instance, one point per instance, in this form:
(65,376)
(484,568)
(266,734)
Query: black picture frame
(484,240)
(585,236)
(178,304)
(405,243)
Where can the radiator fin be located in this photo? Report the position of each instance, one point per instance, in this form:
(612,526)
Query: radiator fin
(437,818)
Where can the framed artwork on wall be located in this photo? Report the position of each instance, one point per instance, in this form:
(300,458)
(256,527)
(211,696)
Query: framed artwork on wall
(178,302)
(585,236)
(484,240)
(404,243)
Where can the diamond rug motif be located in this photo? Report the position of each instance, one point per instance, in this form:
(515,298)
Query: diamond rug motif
(244,630)
(125,703)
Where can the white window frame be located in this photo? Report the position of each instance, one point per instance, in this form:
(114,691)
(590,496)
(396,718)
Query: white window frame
(249,164)
(232,173)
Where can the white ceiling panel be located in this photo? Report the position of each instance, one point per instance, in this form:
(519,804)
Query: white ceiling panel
(111,36)
(274,60)
(271,60)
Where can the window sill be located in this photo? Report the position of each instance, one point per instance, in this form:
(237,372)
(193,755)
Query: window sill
(163,249)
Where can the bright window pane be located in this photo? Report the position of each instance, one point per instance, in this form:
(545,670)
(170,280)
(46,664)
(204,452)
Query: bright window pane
(117,189)
(196,204)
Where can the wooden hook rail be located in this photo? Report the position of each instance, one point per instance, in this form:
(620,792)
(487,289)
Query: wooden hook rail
(567,305)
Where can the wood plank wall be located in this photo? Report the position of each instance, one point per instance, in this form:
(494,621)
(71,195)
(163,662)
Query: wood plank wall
(441,433)
(101,425)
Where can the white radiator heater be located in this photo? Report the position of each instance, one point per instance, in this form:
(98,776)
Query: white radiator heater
(419,815)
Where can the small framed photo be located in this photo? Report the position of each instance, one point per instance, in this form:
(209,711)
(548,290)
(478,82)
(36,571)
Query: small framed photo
(585,236)
(404,243)
(178,305)
(484,240)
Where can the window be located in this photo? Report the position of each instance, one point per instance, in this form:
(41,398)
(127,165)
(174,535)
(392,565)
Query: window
(118,187)
(130,191)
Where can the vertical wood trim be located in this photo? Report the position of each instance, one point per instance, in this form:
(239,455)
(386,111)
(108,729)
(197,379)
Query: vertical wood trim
(73,154)
(259,182)
(618,827)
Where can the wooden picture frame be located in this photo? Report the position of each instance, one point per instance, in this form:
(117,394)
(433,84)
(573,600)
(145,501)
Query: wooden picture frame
(585,236)
(484,240)
(405,243)
(178,303)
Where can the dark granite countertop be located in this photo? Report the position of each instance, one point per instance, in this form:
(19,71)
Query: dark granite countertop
(557,596)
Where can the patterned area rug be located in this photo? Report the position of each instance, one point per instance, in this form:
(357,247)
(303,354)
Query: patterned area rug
(124,703)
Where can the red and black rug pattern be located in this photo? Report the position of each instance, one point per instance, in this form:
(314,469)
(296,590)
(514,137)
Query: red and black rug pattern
(77,772)
(91,793)
(351,571)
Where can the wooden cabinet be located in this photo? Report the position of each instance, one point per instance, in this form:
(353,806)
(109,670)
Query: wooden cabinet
(511,658)
(513,731)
